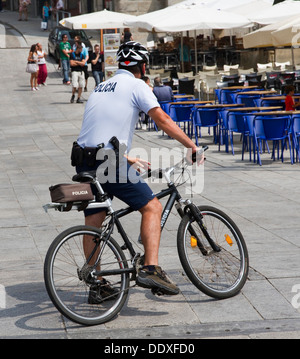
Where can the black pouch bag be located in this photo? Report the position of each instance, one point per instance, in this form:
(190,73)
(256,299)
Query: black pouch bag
(76,155)
(89,154)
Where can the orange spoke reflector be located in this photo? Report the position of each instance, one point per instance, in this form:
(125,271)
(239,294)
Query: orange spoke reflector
(228,239)
(193,242)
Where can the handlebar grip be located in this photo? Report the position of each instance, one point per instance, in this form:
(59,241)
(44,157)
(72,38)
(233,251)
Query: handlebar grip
(200,152)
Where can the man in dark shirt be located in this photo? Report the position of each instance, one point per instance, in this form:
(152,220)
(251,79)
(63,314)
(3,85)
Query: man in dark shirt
(77,62)
(162,92)
(97,61)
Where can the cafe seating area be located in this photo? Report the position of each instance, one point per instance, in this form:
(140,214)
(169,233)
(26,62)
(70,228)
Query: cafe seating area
(267,76)
(239,118)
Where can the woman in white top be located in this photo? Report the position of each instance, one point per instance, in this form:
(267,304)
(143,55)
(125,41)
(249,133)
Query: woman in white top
(33,59)
(43,73)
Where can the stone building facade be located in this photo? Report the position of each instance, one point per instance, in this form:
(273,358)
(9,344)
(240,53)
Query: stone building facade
(76,7)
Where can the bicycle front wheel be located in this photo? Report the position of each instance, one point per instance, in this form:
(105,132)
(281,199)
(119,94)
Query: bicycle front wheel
(68,279)
(219,274)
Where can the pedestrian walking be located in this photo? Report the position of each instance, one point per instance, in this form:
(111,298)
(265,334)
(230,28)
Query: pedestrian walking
(126,36)
(23,9)
(64,51)
(77,38)
(46,14)
(77,62)
(43,72)
(33,59)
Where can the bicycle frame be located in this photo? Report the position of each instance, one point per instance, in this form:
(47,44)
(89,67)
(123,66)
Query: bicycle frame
(174,196)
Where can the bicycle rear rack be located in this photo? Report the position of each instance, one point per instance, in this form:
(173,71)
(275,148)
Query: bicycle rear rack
(63,207)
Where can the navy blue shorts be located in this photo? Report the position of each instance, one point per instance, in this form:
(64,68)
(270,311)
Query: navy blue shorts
(135,194)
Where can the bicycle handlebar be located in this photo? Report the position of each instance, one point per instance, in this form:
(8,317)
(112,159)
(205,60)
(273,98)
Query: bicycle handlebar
(159,173)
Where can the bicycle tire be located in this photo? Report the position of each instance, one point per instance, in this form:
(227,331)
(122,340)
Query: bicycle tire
(66,288)
(218,274)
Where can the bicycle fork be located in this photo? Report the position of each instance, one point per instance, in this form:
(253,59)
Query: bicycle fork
(192,211)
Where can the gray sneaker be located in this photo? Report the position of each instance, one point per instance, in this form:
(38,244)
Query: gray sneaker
(156,280)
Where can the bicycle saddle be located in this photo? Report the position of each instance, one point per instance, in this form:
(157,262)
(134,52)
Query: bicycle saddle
(86,176)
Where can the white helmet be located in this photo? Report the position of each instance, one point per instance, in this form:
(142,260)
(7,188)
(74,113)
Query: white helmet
(132,53)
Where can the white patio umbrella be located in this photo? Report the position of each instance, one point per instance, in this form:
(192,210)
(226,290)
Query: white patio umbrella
(284,33)
(278,12)
(281,33)
(104,19)
(224,5)
(261,37)
(249,8)
(187,18)
(288,34)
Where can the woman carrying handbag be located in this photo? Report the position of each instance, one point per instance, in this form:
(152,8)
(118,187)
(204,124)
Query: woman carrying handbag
(45,15)
(32,67)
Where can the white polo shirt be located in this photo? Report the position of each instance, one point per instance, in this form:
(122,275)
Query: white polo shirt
(113,110)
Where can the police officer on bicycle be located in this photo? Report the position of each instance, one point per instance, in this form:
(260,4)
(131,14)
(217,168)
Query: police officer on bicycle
(113,110)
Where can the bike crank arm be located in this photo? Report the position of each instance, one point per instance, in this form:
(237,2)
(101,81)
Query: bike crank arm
(105,273)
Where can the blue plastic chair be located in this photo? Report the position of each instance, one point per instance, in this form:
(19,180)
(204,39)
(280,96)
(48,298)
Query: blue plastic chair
(247,100)
(182,113)
(204,117)
(274,129)
(259,129)
(261,102)
(295,131)
(236,123)
(226,96)
(224,128)
(165,106)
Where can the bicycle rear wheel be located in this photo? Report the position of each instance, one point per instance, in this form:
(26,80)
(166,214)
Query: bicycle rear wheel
(68,279)
(218,274)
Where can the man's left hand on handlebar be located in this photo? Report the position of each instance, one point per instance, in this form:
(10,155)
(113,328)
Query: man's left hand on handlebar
(195,154)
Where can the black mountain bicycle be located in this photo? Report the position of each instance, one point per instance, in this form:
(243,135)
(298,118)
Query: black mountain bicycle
(210,246)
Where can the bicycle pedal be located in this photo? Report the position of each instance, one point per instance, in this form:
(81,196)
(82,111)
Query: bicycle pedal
(157,291)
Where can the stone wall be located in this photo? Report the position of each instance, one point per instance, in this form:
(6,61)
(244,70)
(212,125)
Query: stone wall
(138,7)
